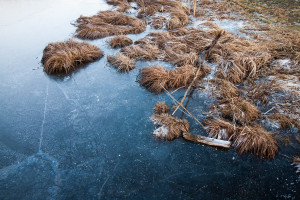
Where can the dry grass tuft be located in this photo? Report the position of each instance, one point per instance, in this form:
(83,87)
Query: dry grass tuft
(107,23)
(226,90)
(176,10)
(170,127)
(158,22)
(65,57)
(220,129)
(262,90)
(160,108)
(256,140)
(240,111)
(121,62)
(239,58)
(145,51)
(120,41)
(178,47)
(122,5)
(285,121)
(153,77)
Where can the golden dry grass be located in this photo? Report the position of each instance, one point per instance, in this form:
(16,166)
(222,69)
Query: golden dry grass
(285,121)
(121,62)
(239,110)
(175,127)
(107,23)
(225,90)
(144,50)
(156,76)
(65,57)
(122,5)
(160,108)
(262,90)
(239,58)
(120,41)
(179,47)
(220,129)
(179,14)
(256,140)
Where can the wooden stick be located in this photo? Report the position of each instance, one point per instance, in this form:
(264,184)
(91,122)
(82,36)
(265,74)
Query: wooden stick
(206,140)
(214,42)
(189,5)
(177,89)
(180,104)
(187,102)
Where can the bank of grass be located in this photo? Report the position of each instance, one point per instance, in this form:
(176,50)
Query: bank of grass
(284,12)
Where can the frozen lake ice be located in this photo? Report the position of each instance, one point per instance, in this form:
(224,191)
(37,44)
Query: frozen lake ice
(89,135)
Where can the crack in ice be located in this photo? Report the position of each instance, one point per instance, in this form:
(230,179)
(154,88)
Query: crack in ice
(44,117)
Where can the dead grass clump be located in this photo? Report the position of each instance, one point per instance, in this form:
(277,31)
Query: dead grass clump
(179,47)
(121,62)
(220,129)
(262,90)
(256,140)
(145,51)
(226,90)
(240,111)
(108,23)
(156,76)
(160,108)
(123,5)
(239,58)
(120,41)
(170,127)
(65,57)
(176,10)
(285,121)
(158,22)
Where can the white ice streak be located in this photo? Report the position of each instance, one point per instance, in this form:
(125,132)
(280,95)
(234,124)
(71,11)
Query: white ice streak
(44,117)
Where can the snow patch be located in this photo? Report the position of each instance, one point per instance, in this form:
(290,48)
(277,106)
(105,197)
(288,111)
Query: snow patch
(161,131)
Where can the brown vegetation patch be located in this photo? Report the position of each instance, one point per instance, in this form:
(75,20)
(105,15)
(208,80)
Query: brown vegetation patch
(160,108)
(225,90)
(285,121)
(122,5)
(220,129)
(121,62)
(280,41)
(107,23)
(256,140)
(172,127)
(156,76)
(146,50)
(120,41)
(240,111)
(177,11)
(179,47)
(158,22)
(262,90)
(65,57)
(239,58)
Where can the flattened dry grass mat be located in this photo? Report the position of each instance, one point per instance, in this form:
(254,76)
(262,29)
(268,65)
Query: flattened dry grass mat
(108,23)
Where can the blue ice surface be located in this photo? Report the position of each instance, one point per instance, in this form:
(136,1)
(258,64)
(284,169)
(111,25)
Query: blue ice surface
(89,135)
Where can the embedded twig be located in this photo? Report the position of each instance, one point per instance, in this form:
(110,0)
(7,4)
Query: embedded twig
(180,104)
(214,42)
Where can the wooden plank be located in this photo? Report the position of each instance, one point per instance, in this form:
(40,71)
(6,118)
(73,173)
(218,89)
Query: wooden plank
(206,140)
